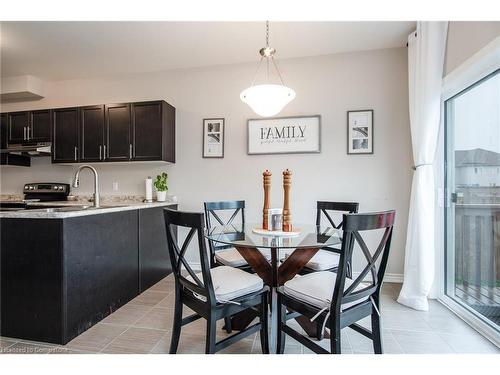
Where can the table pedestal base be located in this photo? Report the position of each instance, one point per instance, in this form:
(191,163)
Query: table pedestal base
(274,275)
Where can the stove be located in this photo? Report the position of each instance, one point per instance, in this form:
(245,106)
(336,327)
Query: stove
(38,192)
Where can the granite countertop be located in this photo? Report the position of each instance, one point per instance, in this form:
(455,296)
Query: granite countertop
(82,207)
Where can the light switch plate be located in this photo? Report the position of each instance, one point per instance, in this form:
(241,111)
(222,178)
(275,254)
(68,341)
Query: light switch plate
(115,186)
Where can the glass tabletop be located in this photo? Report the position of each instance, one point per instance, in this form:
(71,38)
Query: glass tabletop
(243,235)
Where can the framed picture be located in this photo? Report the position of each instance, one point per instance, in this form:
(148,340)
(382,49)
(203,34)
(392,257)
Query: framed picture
(284,135)
(360,132)
(213,138)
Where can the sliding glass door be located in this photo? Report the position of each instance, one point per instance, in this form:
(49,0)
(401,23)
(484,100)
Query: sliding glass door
(472,119)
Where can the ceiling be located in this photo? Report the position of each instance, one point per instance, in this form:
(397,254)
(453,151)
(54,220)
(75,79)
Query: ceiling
(69,50)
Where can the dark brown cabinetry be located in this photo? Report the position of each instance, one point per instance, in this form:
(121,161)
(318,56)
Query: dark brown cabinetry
(3,130)
(141,131)
(5,158)
(92,133)
(65,147)
(59,277)
(153,135)
(18,123)
(39,126)
(119,147)
(29,126)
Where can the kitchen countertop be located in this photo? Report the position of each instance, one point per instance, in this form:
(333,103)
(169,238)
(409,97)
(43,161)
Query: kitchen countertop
(104,209)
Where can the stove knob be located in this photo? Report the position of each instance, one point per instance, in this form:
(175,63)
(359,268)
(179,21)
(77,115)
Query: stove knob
(31,187)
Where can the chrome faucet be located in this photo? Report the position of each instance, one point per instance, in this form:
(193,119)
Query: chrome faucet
(76,183)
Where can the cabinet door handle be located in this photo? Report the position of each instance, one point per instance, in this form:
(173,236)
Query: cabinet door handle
(100,152)
(28,132)
(130,151)
(24,133)
(104,158)
(76,150)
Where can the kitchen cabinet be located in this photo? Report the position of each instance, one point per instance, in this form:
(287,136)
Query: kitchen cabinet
(153,131)
(154,260)
(29,127)
(140,131)
(5,158)
(119,147)
(60,276)
(18,124)
(65,135)
(92,143)
(39,126)
(3,130)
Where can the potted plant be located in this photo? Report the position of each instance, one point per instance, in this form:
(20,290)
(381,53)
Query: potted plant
(161,187)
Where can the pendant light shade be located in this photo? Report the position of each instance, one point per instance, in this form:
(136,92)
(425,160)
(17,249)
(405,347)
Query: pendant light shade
(267,99)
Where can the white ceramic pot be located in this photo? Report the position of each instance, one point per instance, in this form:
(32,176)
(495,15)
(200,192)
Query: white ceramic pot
(161,196)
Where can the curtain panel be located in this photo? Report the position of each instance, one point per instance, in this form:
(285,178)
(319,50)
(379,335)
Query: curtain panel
(426,52)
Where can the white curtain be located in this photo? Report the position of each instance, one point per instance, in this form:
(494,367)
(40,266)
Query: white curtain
(426,51)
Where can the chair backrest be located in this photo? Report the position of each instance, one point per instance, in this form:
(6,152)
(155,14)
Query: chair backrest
(323,207)
(353,225)
(194,221)
(213,212)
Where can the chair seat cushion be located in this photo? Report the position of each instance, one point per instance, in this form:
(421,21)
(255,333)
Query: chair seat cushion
(322,260)
(317,289)
(230,283)
(232,257)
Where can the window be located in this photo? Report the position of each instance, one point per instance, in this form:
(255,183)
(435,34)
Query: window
(472,149)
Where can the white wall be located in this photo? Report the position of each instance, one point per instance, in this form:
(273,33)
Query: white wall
(327,85)
(465,38)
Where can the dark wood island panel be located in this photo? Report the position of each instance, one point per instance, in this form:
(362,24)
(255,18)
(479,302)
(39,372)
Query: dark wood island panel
(59,277)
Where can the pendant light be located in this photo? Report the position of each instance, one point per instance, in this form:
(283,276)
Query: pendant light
(267,99)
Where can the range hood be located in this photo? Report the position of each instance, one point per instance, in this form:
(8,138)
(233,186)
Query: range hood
(39,149)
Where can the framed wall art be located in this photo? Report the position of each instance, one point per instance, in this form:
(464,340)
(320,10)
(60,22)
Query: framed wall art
(360,132)
(284,135)
(213,138)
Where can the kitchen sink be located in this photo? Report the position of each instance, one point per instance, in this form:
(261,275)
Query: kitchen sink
(74,208)
(65,209)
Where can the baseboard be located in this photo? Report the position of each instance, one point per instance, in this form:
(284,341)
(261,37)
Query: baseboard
(388,278)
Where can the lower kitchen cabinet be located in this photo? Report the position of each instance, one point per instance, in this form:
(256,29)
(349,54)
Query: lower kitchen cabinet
(59,277)
(154,261)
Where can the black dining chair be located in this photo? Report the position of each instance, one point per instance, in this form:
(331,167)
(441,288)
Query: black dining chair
(334,299)
(221,254)
(213,293)
(327,259)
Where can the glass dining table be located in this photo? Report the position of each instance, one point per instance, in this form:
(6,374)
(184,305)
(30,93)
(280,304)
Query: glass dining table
(300,248)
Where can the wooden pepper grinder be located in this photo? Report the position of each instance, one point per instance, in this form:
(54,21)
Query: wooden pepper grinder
(267,189)
(287,216)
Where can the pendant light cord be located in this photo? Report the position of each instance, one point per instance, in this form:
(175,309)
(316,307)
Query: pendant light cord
(267,46)
(267,61)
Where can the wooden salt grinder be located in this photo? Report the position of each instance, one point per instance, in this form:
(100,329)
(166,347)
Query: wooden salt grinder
(267,189)
(287,216)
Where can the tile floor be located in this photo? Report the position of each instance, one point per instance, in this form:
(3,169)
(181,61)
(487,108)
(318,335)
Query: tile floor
(143,326)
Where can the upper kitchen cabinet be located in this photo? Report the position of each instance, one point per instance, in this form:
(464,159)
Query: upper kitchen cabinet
(118,138)
(39,126)
(65,133)
(92,133)
(153,131)
(29,127)
(3,130)
(18,125)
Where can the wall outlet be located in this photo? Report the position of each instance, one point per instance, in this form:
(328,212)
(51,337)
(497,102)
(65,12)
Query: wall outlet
(115,186)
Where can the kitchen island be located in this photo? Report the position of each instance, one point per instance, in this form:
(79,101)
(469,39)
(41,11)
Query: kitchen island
(64,270)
